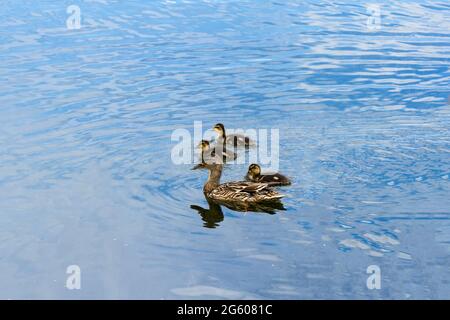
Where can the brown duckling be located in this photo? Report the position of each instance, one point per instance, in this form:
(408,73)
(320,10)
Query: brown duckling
(210,155)
(235,140)
(275,179)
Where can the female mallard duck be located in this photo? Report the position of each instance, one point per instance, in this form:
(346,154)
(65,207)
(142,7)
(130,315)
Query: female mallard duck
(244,192)
(275,179)
(235,140)
(210,155)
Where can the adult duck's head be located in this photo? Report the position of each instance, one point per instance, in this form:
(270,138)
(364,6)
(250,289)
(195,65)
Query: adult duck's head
(220,129)
(254,170)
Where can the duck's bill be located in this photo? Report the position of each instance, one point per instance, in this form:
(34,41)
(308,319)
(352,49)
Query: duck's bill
(198,166)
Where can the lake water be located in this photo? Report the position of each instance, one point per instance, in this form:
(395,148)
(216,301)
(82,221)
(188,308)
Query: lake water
(361,101)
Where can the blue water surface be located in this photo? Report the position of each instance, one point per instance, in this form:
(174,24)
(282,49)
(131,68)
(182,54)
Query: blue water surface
(87,179)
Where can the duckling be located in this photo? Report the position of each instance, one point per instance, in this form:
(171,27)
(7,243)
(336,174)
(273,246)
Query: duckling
(212,155)
(235,140)
(276,179)
(244,192)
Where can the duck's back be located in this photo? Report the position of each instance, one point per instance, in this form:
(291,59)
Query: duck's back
(245,191)
(238,140)
(274,179)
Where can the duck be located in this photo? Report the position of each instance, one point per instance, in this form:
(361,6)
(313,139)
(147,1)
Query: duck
(235,140)
(275,179)
(212,154)
(242,192)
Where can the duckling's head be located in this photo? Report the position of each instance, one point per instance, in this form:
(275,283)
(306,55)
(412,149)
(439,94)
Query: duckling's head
(254,170)
(203,145)
(220,129)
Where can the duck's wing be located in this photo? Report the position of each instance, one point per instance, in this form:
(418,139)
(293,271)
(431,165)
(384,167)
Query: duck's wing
(246,186)
(245,191)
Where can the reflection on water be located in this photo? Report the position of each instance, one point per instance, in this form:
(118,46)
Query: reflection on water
(213,215)
(86,177)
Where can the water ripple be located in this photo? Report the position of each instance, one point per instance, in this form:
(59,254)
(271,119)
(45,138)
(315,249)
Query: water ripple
(86,118)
